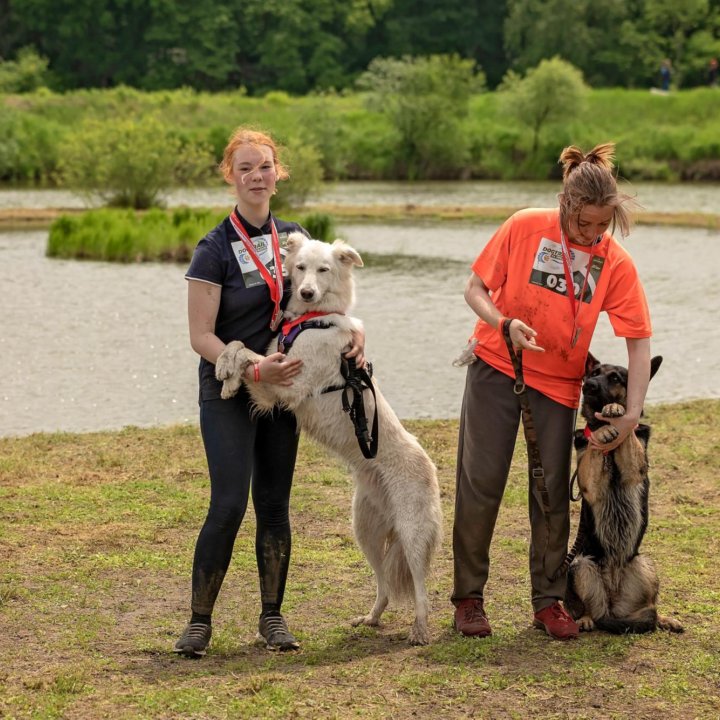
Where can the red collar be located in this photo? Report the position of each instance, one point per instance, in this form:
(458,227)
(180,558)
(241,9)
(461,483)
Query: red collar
(288,325)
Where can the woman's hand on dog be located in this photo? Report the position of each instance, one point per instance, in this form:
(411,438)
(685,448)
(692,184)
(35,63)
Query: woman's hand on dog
(277,369)
(624,425)
(357,349)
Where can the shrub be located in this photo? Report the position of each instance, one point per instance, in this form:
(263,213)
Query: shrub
(26,74)
(129,162)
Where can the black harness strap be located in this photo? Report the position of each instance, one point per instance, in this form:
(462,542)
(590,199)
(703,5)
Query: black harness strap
(357,380)
(536,469)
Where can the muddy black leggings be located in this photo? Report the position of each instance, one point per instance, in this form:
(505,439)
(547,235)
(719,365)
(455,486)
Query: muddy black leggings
(245,453)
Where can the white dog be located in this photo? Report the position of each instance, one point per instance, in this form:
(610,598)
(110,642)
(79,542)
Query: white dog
(396,513)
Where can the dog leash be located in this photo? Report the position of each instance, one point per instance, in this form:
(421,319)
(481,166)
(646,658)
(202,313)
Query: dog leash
(357,380)
(536,468)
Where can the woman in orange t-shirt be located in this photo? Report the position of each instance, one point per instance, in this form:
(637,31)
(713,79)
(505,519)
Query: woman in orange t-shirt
(524,273)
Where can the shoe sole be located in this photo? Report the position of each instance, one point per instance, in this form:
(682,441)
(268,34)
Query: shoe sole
(190,652)
(481,634)
(541,626)
(277,648)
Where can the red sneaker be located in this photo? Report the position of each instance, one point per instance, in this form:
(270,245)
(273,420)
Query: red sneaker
(556,622)
(470,618)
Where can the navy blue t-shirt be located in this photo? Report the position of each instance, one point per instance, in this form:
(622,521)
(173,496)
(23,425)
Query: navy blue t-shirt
(245,305)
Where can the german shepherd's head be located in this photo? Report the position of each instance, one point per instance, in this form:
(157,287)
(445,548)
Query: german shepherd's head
(604,384)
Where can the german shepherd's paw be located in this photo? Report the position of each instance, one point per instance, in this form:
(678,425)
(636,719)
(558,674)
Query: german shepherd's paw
(585,623)
(613,410)
(607,433)
(667,623)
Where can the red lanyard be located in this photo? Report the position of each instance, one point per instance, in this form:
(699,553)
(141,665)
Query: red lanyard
(574,305)
(275,284)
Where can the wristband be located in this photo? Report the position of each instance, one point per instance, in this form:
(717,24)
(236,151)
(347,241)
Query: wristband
(256,371)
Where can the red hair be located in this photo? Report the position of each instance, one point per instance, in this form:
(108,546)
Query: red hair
(254,138)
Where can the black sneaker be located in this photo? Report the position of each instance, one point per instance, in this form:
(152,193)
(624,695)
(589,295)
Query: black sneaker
(273,629)
(194,640)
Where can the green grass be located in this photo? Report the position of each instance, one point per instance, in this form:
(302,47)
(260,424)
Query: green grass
(97,533)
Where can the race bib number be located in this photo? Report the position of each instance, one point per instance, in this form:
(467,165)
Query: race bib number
(263,249)
(548,270)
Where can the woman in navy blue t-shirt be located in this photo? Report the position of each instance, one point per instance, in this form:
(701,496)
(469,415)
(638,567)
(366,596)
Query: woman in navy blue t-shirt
(235,293)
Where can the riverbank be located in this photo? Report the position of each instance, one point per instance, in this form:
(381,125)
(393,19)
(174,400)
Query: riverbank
(97,533)
(41,218)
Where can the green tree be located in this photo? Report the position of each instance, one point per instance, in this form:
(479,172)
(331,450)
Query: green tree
(554,90)
(426,100)
(129,162)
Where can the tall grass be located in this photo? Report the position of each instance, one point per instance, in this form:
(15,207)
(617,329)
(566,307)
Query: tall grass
(128,236)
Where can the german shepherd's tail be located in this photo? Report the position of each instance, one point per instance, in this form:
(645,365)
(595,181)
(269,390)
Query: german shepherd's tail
(644,621)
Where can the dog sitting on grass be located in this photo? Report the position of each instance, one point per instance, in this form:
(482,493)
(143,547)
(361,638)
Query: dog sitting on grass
(611,585)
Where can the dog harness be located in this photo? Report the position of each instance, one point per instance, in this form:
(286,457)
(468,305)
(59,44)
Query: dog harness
(357,380)
(292,328)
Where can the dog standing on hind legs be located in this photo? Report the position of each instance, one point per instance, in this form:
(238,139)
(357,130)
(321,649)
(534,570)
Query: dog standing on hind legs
(611,586)
(396,513)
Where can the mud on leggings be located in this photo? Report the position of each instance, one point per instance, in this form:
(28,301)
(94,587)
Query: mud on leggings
(244,453)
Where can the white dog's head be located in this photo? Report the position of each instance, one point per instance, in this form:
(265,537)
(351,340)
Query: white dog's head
(321,275)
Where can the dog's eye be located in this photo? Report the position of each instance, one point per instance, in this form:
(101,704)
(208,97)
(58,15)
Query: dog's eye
(323,269)
(613,377)
(299,266)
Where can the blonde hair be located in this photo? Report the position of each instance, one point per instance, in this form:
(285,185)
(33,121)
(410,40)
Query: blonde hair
(254,138)
(588,179)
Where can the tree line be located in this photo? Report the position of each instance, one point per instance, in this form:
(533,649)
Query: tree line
(303,46)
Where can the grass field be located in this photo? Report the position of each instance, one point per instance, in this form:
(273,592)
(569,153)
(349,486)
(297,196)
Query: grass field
(97,532)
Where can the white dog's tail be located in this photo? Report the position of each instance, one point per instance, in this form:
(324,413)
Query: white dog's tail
(399,559)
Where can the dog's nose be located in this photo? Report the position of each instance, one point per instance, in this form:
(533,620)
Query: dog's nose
(307,294)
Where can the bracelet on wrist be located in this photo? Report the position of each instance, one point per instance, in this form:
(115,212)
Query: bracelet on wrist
(256,371)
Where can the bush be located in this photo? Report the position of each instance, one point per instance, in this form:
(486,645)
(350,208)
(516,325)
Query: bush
(26,74)
(129,162)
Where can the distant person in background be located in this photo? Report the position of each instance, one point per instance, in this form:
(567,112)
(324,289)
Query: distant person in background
(665,74)
(237,290)
(713,73)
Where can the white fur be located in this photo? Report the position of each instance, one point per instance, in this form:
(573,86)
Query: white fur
(396,512)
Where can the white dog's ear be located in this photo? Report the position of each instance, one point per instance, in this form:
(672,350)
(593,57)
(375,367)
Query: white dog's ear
(295,241)
(346,254)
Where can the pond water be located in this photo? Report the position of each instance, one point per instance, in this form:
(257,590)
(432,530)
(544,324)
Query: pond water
(88,345)
(677,197)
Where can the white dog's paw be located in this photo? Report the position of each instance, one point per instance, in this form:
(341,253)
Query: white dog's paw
(230,359)
(419,634)
(368,620)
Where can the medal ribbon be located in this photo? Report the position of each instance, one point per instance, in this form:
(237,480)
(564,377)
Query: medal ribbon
(275,285)
(575,305)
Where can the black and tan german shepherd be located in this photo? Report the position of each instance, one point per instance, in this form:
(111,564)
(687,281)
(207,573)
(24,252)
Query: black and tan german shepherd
(611,585)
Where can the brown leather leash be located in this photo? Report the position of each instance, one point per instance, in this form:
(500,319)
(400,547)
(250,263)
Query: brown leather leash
(536,469)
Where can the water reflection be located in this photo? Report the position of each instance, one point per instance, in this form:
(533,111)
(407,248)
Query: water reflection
(87,345)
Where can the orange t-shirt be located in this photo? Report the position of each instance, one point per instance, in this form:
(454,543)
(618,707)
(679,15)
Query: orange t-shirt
(522,267)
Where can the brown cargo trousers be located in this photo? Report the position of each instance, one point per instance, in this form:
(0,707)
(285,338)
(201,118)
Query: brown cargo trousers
(489,425)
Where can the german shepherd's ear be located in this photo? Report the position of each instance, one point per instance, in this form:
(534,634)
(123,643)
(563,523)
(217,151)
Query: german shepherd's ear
(591,362)
(655,364)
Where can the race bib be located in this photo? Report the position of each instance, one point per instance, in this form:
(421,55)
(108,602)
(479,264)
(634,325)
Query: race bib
(548,270)
(263,249)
